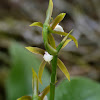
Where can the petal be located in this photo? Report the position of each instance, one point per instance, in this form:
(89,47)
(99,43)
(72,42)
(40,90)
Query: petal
(41,68)
(35,82)
(58,19)
(44,92)
(66,42)
(63,68)
(25,98)
(39,24)
(64,34)
(51,40)
(49,12)
(36,50)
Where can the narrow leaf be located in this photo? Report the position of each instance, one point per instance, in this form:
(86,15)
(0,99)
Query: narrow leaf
(64,34)
(62,42)
(63,68)
(39,24)
(36,50)
(49,12)
(44,92)
(58,19)
(25,98)
(66,42)
(41,68)
(51,40)
(35,82)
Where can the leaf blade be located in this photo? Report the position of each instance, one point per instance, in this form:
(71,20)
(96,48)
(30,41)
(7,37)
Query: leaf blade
(25,98)
(41,68)
(58,19)
(64,34)
(44,92)
(49,12)
(51,40)
(36,50)
(66,42)
(35,82)
(39,24)
(63,68)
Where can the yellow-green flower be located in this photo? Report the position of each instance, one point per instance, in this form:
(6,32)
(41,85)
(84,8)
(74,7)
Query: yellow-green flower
(47,29)
(42,65)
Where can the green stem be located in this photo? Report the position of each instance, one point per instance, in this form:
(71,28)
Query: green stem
(53,77)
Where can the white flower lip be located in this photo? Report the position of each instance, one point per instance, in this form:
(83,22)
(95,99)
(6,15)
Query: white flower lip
(59,28)
(47,57)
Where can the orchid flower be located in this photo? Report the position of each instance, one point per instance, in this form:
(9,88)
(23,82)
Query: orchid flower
(36,96)
(47,56)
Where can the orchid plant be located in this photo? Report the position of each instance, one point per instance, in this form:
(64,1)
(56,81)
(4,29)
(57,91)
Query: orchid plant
(50,54)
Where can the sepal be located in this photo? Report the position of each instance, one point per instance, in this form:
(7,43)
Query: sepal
(63,68)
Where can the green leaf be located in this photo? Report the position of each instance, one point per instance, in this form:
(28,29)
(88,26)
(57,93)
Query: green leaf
(41,69)
(49,12)
(62,42)
(25,98)
(78,89)
(20,76)
(39,24)
(64,34)
(44,92)
(36,50)
(66,42)
(51,40)
(35,83)
(58,19)
(63,68)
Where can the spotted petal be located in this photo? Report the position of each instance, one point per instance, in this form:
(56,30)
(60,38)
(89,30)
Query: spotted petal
(64,34)
(41,68)
(58,19)
(39,24)
(44,92)
(63,68)
(36,50)
(25,98)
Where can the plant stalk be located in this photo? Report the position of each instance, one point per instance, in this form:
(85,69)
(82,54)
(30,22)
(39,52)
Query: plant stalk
(53,77)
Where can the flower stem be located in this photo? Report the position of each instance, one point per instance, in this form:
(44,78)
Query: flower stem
(53,77)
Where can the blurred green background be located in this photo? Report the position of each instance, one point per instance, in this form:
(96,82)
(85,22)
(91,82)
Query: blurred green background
(16,63)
